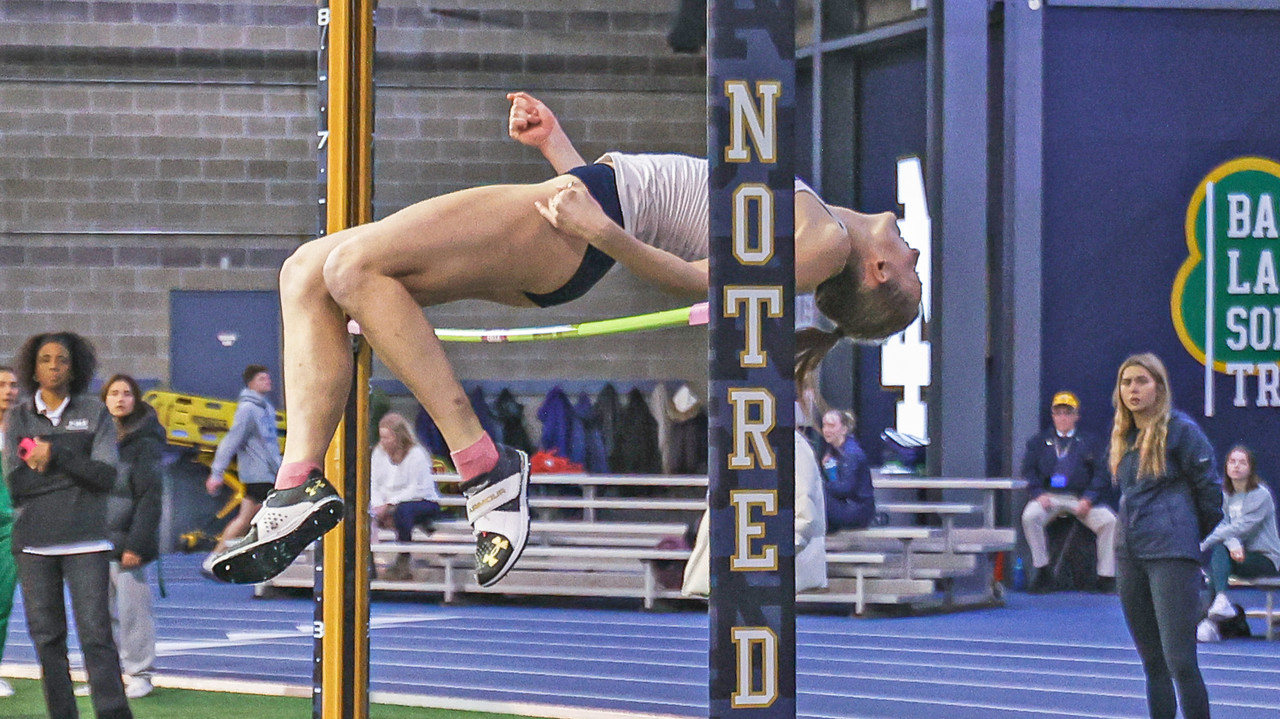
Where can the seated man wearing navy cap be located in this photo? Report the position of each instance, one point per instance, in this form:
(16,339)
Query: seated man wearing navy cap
(1066,473)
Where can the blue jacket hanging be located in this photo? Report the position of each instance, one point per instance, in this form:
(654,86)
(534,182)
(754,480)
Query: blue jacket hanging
(587,447)
(556,415)
(429,434)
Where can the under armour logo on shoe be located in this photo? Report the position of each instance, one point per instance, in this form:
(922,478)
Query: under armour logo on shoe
(491,556)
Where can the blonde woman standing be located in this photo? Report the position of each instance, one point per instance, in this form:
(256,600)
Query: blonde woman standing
(1171,498)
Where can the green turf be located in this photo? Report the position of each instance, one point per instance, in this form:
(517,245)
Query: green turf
(28,703)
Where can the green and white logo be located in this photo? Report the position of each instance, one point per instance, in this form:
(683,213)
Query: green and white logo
(1226,298)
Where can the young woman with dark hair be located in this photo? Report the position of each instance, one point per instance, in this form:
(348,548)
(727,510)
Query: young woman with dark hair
(133,520)
(523,245)
(60,461)
(1170,499)
(1245,543)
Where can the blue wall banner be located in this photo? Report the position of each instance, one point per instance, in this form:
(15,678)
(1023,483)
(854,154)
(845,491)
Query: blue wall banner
(751,101)
(1136,132)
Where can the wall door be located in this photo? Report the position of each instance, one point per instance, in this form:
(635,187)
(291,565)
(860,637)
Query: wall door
(214,335)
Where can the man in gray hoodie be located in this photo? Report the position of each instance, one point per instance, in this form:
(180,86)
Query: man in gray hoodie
(254,442)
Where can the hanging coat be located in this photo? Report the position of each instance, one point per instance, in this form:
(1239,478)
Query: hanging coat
(688,437)
(510,415)
(555,414)
(588,446)
(607,418)
(429,434)
(489,423)
(635,441)
(658,399)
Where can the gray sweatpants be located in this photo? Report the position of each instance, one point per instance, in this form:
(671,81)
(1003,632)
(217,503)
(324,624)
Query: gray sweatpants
(133,624)
(1161,602)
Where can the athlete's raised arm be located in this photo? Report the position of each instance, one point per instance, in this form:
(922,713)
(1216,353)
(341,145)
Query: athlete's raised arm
(530,122)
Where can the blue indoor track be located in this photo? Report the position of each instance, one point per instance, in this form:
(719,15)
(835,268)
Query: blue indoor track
(1061,655)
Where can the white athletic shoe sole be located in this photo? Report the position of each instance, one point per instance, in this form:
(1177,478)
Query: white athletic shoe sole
(280,532)
(501,534)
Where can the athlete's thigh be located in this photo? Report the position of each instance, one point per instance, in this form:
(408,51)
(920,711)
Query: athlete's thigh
(483,242)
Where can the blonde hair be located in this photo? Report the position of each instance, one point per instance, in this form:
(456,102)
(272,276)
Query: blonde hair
(1151,442)
(399,427)
(847,418)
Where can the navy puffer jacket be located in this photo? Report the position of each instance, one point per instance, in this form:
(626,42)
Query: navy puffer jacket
(1166,517)
(133,508)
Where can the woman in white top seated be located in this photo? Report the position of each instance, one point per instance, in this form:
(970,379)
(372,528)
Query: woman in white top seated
(402,488)
(1245,542)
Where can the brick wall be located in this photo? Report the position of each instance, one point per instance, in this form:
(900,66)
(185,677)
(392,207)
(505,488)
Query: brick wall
(152,146)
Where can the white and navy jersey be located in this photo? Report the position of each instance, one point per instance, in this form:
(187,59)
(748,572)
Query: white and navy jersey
(664,200)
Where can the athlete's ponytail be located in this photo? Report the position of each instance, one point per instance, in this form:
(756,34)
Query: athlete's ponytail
(861,313)
(812,344)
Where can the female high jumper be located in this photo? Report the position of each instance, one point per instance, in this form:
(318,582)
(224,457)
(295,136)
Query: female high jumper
(540,245)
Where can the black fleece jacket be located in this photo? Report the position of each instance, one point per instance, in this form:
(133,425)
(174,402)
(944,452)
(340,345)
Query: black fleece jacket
(67,503)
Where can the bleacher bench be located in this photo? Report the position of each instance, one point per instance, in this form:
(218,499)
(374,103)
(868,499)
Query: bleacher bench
(1269,586)
(609,548)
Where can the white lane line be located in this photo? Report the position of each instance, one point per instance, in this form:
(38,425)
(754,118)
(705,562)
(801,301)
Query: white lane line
(250,686)
(898,701)
(233,639)
(933,665)
(556,690)
(1130,660)
(528,709)
(856,636)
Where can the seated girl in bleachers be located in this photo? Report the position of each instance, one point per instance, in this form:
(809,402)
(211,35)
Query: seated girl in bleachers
(1245,542)
(850,497)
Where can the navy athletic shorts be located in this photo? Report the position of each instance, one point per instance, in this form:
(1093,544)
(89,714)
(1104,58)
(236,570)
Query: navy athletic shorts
(600,182)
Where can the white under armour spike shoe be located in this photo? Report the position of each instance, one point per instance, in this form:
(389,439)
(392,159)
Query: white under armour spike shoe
(289,521)
(498,510)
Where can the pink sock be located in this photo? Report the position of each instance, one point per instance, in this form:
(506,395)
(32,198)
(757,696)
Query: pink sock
(294,474)
(476,459)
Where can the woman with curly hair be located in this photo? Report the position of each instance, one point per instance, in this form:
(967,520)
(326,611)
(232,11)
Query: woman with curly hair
(60,461)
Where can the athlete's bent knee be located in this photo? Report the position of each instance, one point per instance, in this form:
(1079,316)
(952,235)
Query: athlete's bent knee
(346,270)
(302,274)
